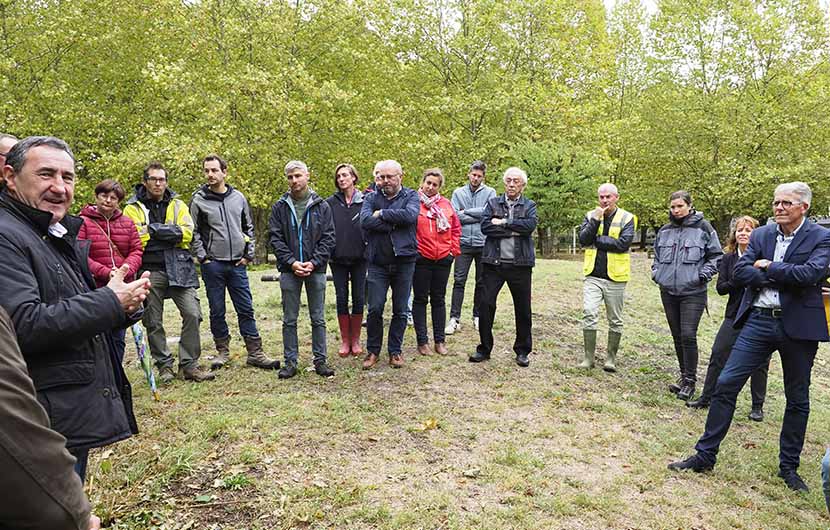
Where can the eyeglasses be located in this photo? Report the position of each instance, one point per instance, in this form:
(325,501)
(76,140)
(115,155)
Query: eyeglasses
(156,180)
(784,204)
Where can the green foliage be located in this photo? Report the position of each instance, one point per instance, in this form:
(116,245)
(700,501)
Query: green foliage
(561,180)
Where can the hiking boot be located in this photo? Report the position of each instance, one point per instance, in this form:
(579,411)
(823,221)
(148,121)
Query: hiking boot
(344,323)
(793,481)
(452,326)
(478,357)
(441,348)
(396,360)
(686,391)
(611,356)
(166,375)
(323,369)
(288,371)
(589,340)
(675,387)
(257,357)
(757,414)
(370,360)
(195,373)
(695,462)
(354,334)
(423,349)
(223,353)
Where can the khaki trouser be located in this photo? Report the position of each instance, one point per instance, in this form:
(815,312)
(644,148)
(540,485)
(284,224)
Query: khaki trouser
(594,291)
(187,301)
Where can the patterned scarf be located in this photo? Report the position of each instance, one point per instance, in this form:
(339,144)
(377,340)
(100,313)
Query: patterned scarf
(434,211)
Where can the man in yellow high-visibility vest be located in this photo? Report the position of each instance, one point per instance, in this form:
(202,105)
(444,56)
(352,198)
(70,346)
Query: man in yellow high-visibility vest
(606,233)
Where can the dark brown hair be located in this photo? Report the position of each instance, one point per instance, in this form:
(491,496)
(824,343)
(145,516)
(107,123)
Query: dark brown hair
(110,185)
(351,169)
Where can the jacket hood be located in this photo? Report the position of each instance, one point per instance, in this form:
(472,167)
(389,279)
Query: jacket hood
(141,194)
(205,191)
(357,197)
(92,212)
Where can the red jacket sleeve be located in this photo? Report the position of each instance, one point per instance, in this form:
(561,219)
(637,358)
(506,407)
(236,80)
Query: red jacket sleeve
(136,249)
(455,233)
(99,271)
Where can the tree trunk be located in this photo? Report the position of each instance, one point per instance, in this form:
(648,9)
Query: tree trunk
(261,234)
(547,242)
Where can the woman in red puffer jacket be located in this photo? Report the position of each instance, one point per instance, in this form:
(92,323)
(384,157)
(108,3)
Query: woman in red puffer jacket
(114,241)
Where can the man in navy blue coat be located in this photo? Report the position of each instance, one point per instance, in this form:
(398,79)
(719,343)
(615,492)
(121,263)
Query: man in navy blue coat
(782,310)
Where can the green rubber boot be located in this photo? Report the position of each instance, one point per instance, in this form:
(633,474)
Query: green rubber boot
(613,345)
(589,337)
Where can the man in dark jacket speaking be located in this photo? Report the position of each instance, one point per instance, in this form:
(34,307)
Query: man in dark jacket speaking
(63,323)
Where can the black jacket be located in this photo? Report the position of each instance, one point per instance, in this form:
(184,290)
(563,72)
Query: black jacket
(520,228)
(350,246)
(308,239)
(63,327)
(726,284)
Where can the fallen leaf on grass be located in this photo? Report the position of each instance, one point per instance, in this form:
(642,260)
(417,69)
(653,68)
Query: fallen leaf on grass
(750,445)
(204,498)
(428,425)
(472,472)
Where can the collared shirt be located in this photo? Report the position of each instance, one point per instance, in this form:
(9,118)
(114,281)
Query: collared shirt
(768,297)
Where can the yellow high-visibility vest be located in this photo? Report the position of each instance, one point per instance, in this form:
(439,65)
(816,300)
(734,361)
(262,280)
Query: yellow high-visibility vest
(176,213)
(619,263)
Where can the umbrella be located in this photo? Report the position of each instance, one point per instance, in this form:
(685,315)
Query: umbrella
(141,348)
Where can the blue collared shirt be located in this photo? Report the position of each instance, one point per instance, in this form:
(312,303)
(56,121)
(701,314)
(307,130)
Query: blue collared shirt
(768,297)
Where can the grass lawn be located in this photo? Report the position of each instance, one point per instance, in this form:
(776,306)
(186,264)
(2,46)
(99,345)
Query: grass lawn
(445,444)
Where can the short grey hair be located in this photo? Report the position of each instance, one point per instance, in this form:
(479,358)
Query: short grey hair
(296,164)
(801,189)
(390,164)
(610,187)
(515,172)
(17,154)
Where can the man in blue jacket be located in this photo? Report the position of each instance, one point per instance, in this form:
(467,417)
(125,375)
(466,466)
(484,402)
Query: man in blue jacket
(302,236)
(388,218)
(782,310)
(509,257)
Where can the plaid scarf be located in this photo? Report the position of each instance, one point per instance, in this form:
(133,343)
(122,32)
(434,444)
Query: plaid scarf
(434,211)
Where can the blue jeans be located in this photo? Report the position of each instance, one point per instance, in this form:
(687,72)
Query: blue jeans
(82,457)
(342,275)
(761,335)
(224,275)
(398,276)
(315,291)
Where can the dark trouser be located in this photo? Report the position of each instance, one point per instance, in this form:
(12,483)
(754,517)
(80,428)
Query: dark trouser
(343,273)
(518,281)
(119,336)
(460,272)
(430,284)
(398,276)
(760,336)
(683,315)
(225,275)
(724,341)
(82,457)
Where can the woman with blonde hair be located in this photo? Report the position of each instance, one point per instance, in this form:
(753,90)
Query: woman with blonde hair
(736,245)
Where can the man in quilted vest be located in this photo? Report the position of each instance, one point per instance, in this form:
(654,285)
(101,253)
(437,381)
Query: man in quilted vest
(606,233)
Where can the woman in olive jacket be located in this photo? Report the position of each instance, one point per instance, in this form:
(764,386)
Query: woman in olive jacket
(686,254)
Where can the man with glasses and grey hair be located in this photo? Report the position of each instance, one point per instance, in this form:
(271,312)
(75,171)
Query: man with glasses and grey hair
(301,232)
(782,309)
(389,218)
(509,256)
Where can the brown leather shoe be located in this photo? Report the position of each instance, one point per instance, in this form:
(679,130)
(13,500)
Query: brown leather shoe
(441,348)
(196,374)
(396,360)
(370,360)
(423,349)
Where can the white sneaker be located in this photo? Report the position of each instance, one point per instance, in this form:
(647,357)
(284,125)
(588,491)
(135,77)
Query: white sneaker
(475,322)
(452,326)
